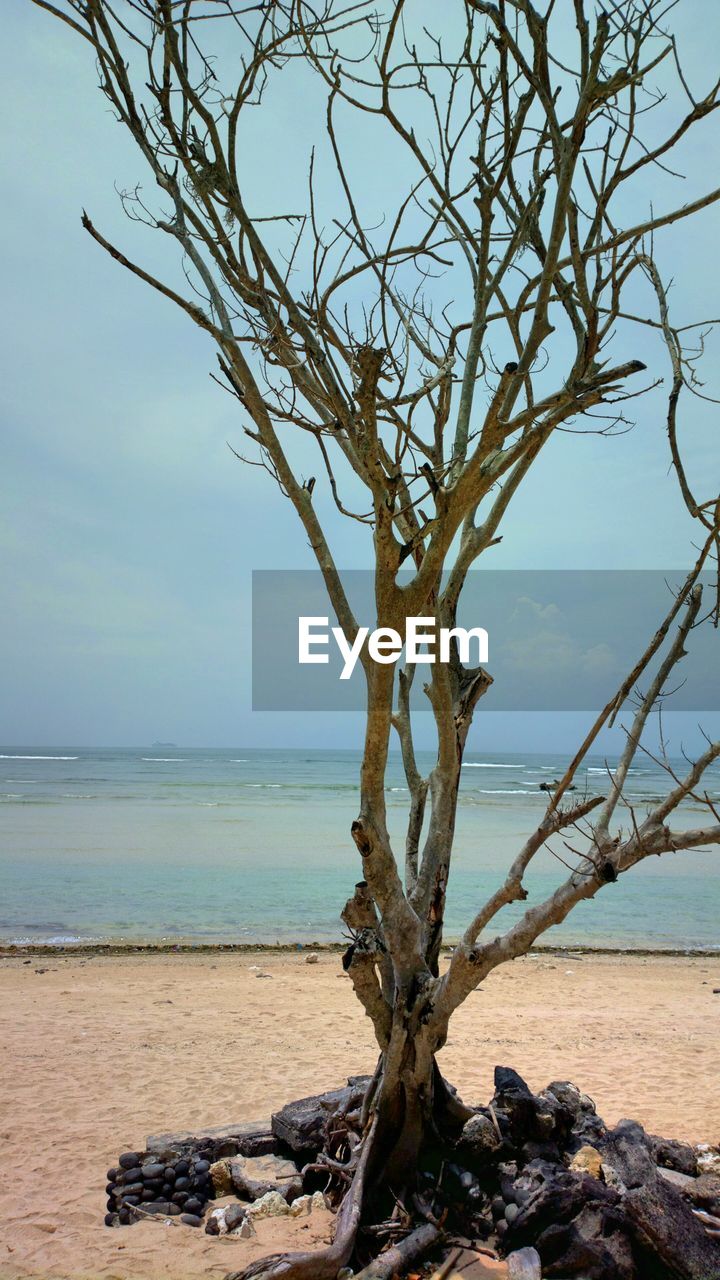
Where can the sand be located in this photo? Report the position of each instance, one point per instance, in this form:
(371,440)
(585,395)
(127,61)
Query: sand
(100,1051)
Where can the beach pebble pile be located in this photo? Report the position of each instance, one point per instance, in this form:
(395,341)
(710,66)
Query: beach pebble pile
(142,1184)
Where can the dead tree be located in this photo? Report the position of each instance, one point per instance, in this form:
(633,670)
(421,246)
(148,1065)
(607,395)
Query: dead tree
(428,361)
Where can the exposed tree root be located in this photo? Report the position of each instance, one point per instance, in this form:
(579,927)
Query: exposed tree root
(325,1264)
(400,1255)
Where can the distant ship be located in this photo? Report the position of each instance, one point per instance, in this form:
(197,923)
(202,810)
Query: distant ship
(164,744)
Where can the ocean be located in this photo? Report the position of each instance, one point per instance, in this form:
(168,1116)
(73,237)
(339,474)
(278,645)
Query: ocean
(239,846)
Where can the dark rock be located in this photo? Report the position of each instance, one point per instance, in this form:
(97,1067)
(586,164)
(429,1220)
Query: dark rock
(681,1181)
(479,1141)
(705,1192)
(153,1170)
(148,1194)
(110,1219)
(169,1173)
(182,1167)
(133,1189)
(507,1080)
(110,1205)
(253,1138)
(570,1097)
(193,1206)
(594,1245)
(173,1209)
(190,1220)
(508,1173)
(154,1184)
(159,1208)
(234,1215)
(533,1120)
(112,1175)
(627,1150)
(212,1227)
(201,1166)
(124,1217)
(301,1125)
(669,1240)
(588,1131)
(546,1151)
(674,1155)
(167,1189)
(511,1213)
(179,1197)
(525,1186)
(563,1116)
(182,1184)
(556,1201)
(497,1207)
(109,1188)
(129,1159)
(130,1199)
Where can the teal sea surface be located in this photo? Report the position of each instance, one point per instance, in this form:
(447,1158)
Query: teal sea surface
(240,846)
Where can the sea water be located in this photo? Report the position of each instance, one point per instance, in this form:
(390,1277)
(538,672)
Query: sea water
(243,845)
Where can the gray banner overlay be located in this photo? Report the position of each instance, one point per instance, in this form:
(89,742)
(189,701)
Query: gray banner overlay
(558,640)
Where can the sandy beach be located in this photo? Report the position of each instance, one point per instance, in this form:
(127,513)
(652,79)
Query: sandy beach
(99,1051)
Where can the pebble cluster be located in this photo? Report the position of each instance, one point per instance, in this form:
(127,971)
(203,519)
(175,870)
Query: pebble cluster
(140,1182)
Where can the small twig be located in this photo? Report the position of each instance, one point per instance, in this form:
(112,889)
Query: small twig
(156,1217)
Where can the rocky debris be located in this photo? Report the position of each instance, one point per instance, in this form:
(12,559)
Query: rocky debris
(274,1205)
(593,1245)
(538,1176)
(221,1178)
(708,1158)
(705,1192)
(301,1125)
(665,1228)
(524,1264)
(305,1204)
(480,1140)
(670,1154)
(253,1138)
(226,1219)
(588,1160)
(596,1203)
(142,1185)
(253,1176)
(312,958)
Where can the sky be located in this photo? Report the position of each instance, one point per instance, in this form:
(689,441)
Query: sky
(128,531)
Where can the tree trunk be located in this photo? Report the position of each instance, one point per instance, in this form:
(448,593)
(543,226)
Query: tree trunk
(416,1110)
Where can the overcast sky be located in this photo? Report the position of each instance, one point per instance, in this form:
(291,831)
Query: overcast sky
(128,532)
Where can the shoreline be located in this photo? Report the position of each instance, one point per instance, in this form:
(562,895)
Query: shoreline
(10,950)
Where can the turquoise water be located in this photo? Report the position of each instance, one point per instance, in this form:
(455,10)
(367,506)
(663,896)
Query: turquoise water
(253,845)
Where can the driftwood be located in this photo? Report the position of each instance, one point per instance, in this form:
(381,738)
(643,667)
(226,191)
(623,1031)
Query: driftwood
(400,1255)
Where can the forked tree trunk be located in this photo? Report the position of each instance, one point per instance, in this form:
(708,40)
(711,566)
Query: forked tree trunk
(404,1106)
